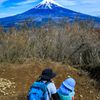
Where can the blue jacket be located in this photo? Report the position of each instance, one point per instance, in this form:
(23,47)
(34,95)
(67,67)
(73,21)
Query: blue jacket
(65,97)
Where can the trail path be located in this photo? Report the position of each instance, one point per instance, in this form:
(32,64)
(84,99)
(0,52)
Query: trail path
(16,79)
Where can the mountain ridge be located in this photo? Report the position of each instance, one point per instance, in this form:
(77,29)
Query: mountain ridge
(45,9)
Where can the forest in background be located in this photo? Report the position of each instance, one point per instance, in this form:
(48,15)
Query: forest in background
(77,43)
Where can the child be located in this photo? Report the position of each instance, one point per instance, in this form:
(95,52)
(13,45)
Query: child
(66,90)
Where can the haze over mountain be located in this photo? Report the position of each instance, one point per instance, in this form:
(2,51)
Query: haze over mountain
(43,11)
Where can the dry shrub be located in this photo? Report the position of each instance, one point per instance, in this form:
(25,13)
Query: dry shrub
(63,42)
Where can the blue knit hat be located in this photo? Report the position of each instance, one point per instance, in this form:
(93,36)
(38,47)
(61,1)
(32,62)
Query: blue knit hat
(67,86)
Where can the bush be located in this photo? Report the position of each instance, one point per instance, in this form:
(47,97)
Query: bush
(76,43)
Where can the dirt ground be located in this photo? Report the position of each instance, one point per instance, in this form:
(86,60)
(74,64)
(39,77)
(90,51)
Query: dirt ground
(24,75)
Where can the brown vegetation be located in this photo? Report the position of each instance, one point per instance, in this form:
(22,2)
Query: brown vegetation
(77,43)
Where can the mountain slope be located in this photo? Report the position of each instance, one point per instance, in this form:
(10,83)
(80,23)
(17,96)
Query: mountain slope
(50,8)
(26,73)
(45,9)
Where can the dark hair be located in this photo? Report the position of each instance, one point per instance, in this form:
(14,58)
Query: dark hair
(45,79)
(42,79)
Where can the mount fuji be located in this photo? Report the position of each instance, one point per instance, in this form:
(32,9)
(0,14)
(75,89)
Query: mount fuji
(43,11)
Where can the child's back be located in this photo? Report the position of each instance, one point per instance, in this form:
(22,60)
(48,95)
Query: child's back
(66,97)
(66,90)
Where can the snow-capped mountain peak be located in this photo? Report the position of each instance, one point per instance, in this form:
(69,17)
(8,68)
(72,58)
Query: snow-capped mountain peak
(47,4)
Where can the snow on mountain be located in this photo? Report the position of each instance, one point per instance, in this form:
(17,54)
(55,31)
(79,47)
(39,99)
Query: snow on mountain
(47,4)
(42,12)
(48,8)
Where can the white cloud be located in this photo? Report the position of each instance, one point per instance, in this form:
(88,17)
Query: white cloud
(18,7)
(2,1)
(90,1)
(2,15)
(26,2)
(13,8)
(66,2)
(77,2)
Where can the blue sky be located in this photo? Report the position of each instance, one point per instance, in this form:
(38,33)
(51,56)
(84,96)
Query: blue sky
(13,7)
